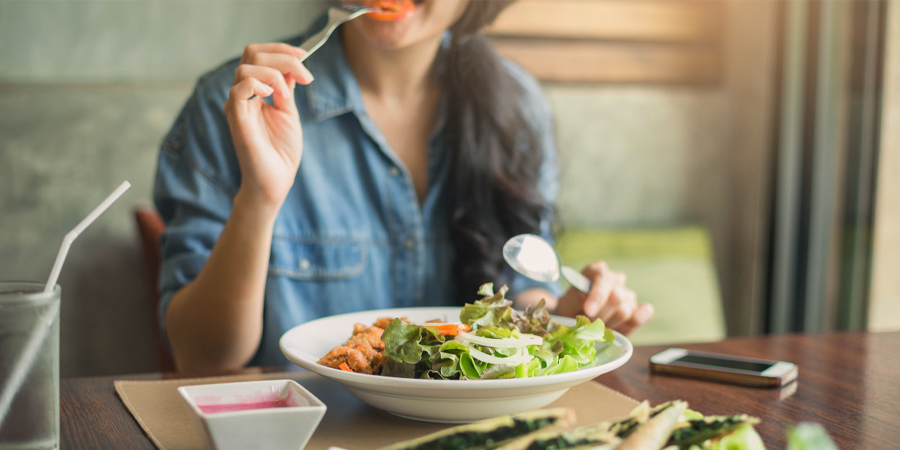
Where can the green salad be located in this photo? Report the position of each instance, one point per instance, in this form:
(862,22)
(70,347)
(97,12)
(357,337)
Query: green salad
(492,340)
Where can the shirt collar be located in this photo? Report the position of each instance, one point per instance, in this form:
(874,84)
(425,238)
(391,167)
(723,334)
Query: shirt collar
(335,90)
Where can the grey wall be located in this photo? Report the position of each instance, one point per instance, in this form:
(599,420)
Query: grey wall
(62,151)
(91,41)
(88,88)
(638,155)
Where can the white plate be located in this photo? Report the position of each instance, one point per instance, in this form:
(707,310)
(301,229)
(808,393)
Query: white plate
(452,401)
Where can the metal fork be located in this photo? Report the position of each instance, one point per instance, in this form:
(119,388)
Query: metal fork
(337,15)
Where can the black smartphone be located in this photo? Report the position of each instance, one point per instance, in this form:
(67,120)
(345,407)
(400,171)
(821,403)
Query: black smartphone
(723,368)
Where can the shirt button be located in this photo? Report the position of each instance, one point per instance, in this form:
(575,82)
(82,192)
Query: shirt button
(395,171)
(304,264)
(410,243)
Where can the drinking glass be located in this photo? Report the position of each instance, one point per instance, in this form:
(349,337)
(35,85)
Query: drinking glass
(32,421)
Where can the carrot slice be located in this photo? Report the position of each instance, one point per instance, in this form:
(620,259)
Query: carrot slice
(452,329)
(345,367)
(391,10)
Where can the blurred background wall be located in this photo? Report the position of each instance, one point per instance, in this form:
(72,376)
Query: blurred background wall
(88,88)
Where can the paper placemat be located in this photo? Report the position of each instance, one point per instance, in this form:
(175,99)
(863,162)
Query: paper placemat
(348,422)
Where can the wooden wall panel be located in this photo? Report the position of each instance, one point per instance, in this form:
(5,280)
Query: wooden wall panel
(641,20)
(614,41)
(585,62)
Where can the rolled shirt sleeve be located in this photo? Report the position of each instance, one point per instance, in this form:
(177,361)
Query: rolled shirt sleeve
(195,186)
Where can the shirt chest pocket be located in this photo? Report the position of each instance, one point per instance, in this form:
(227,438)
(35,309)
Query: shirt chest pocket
(317,260)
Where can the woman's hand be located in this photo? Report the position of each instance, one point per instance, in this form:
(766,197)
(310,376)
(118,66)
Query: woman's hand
(609,299)
(267,138)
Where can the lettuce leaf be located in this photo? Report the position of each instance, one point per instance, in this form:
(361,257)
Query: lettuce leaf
(448,357)
(529,369)
(535,320)
(492,310)
(498,371)
(577,342)
(470,367)
(809,436)
(392,368)
(743,438)
(564,364)
(401,342)
(415,351)
(495,332)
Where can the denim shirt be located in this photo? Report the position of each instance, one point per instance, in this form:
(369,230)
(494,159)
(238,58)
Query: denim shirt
(351,235)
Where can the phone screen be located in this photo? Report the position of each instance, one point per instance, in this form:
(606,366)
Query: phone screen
(737,364)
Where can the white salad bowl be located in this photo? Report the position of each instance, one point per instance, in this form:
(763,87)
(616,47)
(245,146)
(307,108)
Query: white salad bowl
(451,401)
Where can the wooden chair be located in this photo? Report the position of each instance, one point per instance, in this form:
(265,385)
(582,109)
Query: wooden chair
(150,227)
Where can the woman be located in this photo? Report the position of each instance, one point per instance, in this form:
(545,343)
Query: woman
(422,153)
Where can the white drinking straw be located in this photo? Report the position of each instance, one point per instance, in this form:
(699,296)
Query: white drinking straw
(70,236)
(45,322)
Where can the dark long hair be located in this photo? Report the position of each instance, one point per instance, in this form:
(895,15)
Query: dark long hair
(496,152)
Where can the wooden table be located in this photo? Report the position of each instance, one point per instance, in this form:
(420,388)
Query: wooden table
(849,382)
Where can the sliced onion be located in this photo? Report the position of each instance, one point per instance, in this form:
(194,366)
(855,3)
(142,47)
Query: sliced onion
(522,356)
(531,336)
(524,341)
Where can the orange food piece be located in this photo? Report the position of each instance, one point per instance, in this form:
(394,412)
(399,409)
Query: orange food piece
(452,329)
(391,10)
(362,353)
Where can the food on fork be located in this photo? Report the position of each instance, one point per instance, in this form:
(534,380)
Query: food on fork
(391,10)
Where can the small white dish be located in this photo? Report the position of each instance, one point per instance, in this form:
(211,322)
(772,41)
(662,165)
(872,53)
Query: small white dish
(270,414)
(449,401)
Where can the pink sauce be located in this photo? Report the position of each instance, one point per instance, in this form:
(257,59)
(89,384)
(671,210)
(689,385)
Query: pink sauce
(228,407)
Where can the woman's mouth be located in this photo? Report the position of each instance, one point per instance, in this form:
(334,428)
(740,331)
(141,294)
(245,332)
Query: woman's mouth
(392,10)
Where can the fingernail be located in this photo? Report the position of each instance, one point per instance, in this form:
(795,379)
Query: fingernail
(591,308)
(644,314)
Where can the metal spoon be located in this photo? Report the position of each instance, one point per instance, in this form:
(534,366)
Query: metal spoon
(534,257)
